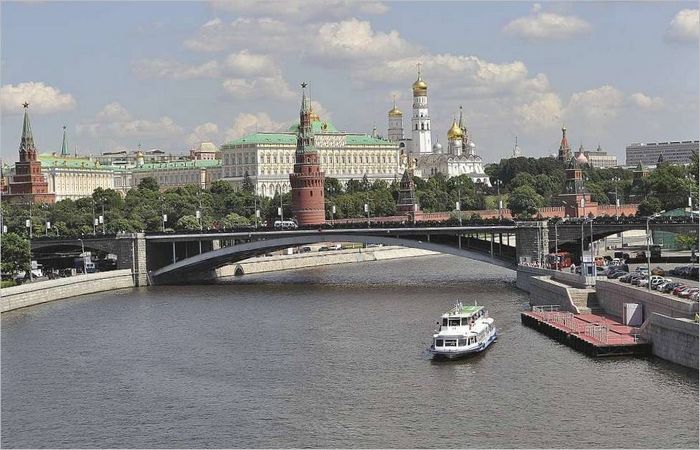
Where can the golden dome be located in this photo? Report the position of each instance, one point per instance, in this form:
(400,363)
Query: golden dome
(455,132)
(420,87)
(394,112)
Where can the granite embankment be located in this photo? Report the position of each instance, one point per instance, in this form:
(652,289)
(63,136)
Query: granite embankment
(46,291)
(314,259)
(668,320)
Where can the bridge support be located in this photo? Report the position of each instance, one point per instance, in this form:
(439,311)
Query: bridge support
(138,258)
(532,241)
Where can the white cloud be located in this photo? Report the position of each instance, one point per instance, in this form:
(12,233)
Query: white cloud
(264,33)
(206,132)
(114,121)
(685,26)
(596,105)
(42,98)
(246,123)
(299,10)
(247,63)
(274,87)
(547,26)
(645,102)
(542,112)
(354,39)
(161,68)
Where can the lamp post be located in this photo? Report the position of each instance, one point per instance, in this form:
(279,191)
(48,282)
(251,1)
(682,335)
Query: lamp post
(94,219)
(367,212)
(500,203)
(556,243)
(28,224)
(458,205)
(102,217)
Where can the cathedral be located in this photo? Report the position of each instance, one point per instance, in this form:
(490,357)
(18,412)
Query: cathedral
(459,159)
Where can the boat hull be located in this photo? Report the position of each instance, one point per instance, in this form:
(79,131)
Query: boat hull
(441,354)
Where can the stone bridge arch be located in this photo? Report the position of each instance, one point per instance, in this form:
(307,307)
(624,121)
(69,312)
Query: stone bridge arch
(203,266)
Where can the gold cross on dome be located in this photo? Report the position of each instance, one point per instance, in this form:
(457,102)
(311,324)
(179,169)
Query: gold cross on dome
(419,64)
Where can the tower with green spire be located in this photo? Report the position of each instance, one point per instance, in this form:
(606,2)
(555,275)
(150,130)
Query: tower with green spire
(308,203)
(28,184)
(64,145)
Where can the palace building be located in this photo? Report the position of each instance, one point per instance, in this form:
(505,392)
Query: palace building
(268,157)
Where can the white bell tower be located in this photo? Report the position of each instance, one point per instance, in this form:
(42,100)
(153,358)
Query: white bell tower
(420,122)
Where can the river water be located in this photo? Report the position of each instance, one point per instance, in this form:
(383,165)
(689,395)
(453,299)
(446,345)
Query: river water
(326,357)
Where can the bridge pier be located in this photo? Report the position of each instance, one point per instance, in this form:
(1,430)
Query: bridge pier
(532,241)
(138,254)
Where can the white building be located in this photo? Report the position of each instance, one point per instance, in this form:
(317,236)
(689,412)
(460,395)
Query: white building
(676,152)
(268,158)
(600,159)
(74,178)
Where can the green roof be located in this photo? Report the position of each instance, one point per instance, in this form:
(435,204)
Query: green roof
(363,139)
(264,138)
(51,160)
(170,165)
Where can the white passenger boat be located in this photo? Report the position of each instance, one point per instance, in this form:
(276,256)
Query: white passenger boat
(464,330)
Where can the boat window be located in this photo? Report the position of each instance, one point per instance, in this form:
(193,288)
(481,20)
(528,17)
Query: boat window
(444,322)
(465,321)
(450,342)
(454,322)
(462,342)
(438,342)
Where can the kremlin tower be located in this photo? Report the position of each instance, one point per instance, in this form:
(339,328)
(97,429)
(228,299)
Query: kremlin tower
(28,183)
(395,131)
(564,149)
(420,122)
(308,203)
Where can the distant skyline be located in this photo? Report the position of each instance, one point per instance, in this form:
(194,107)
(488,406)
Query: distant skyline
(172,74)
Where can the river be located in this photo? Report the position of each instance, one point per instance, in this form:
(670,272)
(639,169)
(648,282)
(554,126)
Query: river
(326,357)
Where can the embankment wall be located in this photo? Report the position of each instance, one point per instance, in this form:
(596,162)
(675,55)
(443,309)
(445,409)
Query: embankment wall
(46,291)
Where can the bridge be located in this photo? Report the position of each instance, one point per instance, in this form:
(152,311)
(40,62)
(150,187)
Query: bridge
(161,258)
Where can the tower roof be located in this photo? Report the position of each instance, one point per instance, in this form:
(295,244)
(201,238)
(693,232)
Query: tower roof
(305,100)
(420,87)
(27,141)
(455,132)
(394,112)
(64,145)
(564,142)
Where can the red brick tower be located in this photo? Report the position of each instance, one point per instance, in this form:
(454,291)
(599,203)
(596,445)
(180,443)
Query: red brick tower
(307,180)
(28,183)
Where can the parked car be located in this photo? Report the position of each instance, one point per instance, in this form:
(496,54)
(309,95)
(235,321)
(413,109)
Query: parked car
(694,296)
(658,271)
(641,269)
(626,278)
(636,279)
(618,275)
(656,282)
(669,287)
(679,288)
(688,292)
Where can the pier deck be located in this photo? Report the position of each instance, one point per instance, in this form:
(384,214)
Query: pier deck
(593,334)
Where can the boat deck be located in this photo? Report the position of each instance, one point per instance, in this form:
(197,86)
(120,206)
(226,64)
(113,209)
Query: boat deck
(593,334)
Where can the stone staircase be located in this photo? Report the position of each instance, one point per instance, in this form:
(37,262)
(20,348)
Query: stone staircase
(585,300)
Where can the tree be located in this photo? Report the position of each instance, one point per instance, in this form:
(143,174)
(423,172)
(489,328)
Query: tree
(524,201)
(189,223)
(364,184)
(15,253)
(221,187)
(649,206)
(247,185)
(332,187)
(149,184)
(233,220)
(687,241)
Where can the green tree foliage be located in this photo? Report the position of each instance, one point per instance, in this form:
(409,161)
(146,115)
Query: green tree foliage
(687,241)
(332,187)
(247,185)
(649,206)
(188,223)
(149,183)
(524,201)
(233,220)
(15,253)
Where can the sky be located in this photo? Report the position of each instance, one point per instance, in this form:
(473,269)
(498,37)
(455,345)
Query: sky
(172,74)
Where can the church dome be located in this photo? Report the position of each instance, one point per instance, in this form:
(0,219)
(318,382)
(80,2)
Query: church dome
(437,148)
(420,87)
(454,132)
(394,112)
(581,158)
